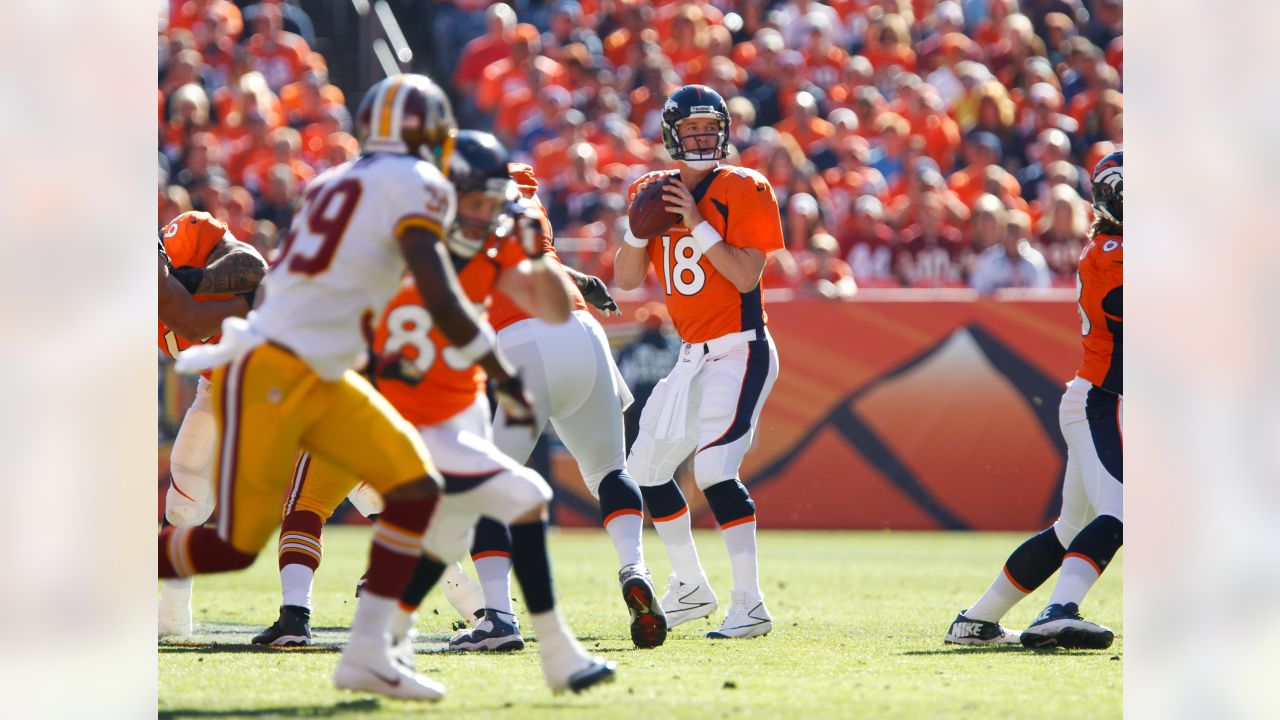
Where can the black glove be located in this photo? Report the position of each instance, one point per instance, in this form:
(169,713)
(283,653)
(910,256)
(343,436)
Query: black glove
(514,401)
(189,276)
(594,291)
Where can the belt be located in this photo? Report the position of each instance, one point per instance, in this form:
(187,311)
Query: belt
(725,343)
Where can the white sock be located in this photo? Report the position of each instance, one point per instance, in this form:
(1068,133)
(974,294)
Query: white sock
(494,572)
(295,582)
(176,590)
(997,601)
(373,617)
(1074,580)
(551,631)
(624,531)
(681,551)
(741,543)
(401,623)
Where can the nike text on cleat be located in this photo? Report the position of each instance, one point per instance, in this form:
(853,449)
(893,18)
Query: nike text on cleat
(497,631)
(747,618)
(291,629)
(648,622)
(967,631)
(367,666)
(1062,626)
(684,601)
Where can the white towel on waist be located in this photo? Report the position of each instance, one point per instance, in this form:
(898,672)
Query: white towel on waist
(673,416)
(238,338)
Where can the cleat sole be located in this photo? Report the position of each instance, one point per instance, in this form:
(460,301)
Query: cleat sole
(648,623)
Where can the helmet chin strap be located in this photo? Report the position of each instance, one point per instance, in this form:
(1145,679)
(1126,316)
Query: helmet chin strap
(699,164)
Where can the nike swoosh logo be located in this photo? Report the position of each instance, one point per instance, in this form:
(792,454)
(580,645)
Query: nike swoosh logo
(683,601)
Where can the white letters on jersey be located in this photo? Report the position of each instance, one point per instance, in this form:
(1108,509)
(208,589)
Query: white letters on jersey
(341,262)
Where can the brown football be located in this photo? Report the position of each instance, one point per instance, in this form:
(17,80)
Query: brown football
(648,215)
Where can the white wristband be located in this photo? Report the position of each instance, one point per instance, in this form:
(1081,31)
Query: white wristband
(474,350)
(705,236)
(634,241)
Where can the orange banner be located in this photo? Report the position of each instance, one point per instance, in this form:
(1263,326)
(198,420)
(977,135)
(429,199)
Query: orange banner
(900,410)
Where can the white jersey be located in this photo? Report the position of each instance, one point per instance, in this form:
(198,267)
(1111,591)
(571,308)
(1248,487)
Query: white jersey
(342,263)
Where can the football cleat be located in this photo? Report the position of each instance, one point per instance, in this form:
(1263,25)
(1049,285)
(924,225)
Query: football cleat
(747,618)
(464,594)
(403,653)
(967,631)
(684,602)
(566,666)
(648,622)
(497,631)
(291,629)
(174,618)
(367,666)
(1062,626)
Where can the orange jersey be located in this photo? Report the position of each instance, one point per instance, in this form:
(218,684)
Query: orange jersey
(448,386)
(188,239)
(740,204)
(1100,280)
(503,311)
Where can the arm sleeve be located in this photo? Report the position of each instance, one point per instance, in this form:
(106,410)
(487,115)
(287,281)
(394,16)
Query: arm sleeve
(754,220)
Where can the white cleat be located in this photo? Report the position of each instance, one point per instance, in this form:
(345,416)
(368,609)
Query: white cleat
(684,602)
(403,653)
(464,594)
(368,666)
(566,666)
(175,608)
(747,618)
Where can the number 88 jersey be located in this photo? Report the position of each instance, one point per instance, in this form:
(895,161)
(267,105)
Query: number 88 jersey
(449,384)
(341,261)
(740,204)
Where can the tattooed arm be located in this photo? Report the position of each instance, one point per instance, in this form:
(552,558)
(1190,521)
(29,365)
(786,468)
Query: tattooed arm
(233,268)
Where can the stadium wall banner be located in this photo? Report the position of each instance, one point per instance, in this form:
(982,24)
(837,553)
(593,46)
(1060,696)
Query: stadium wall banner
(901,410)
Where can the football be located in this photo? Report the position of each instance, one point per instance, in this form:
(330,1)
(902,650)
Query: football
(648,215)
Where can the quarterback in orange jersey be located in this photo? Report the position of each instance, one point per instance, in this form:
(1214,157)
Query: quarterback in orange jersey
(709,265)
(1090,529)
(206,275)
(496,244)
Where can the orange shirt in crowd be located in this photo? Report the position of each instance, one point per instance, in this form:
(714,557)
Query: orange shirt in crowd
(187,14)
(293,100)
(479,54)
(282,61)
(807,133)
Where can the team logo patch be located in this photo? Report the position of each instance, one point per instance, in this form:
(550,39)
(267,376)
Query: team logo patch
(1111,176)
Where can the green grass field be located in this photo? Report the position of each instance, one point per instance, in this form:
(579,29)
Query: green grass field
(858,625)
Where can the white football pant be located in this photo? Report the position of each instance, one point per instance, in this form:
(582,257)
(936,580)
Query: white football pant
(1089,488)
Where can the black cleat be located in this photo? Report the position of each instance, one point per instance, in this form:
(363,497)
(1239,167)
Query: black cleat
(648,621)
(1061,626)
(291,629)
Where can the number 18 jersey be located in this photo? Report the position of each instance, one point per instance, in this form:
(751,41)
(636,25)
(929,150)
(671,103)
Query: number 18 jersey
(740,204)
(342,262)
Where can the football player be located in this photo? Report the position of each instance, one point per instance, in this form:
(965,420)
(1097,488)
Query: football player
(198,257)
(575,384)
(496,244)
(1090,529)
(283,379)
(709,265)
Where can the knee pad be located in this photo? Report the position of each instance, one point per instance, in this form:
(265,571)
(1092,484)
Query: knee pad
(618,493)
(1099,541)
(1035,560)
(189,500)
(366,500)
(665,501)
(491,538)
(730,502)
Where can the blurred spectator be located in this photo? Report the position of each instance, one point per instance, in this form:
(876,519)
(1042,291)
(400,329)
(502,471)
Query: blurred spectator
(932,253)
(480,53)
(265,238)
(173,202)
(1011,263)
(280,56)
(572,190)
(982,151)
(188,115)
(869,245)
(805,126)
(191,13)
(279,193)
(305,101)
(1106,22)
(238,205)
(201,162)
(1052,145)
(1061,232)
(286,148)
(509,74)
(294,19)
(824,273)
(801,221)
(647,360)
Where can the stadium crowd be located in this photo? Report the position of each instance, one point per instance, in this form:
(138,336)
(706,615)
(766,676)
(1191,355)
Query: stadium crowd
(911,143)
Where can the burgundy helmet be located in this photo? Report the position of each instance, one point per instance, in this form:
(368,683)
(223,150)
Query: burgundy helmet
(408,114)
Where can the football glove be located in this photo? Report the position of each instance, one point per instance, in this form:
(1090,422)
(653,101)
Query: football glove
(514,401)
(594,291)
(395,366)
(190,277)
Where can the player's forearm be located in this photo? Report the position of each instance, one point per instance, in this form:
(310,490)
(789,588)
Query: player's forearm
(199,320)
(739,266)
(630,266)
(239,271)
